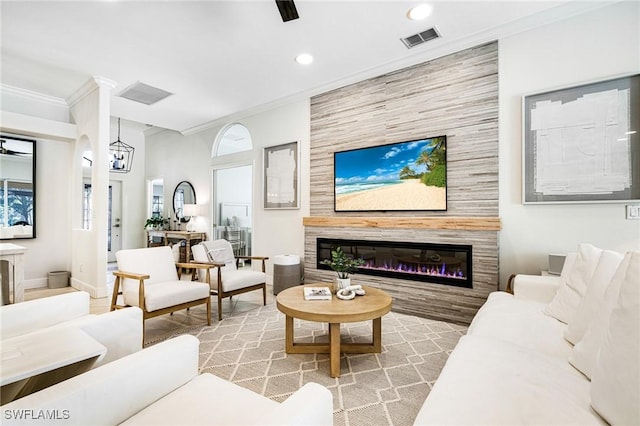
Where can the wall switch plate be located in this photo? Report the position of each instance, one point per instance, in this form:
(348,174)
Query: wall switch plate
(633,212)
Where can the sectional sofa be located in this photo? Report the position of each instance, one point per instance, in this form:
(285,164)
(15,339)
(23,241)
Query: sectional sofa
(120,332)
(560,350)
(160,385)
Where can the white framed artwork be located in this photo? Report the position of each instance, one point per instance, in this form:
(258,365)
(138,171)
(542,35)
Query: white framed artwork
(280,177)
(580,143)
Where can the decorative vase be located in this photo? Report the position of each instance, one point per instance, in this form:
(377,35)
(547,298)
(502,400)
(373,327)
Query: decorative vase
(342,283)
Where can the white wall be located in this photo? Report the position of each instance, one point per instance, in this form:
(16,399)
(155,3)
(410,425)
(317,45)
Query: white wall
(174,158)
(274,231)
(590,47)
(281,231)
(51,249)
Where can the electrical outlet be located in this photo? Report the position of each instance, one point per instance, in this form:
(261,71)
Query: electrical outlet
(633,212)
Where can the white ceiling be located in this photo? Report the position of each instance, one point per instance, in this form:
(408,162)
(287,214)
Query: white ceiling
(222,57)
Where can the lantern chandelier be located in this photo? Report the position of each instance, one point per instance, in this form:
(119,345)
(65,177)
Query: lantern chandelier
(120,155)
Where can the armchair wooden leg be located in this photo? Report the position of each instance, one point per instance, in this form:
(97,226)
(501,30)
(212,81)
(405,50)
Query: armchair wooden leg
(209,311)
(264,294)
(219,307)
(116,291)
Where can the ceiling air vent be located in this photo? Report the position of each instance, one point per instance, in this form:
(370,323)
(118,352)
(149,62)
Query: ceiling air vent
(416,39)
(143,93)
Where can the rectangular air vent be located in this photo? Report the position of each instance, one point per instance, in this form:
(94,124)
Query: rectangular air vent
(421,37)
(143,93)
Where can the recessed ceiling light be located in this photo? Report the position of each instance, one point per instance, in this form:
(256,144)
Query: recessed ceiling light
(304,59)
(419,12)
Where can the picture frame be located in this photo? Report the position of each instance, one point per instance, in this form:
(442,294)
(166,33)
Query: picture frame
(580,143)
(281,176)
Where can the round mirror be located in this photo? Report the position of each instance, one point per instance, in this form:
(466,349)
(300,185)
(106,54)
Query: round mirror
(183,194)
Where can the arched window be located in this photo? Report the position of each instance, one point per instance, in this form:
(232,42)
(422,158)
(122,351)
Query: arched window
(231,139)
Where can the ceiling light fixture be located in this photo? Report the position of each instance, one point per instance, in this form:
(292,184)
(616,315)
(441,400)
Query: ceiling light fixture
(419,12)
(304,59)
(120,155)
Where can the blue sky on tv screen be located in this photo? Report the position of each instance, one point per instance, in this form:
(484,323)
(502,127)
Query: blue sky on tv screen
(378,165)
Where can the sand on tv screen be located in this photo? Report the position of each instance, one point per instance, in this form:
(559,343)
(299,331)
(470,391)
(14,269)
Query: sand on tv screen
(409,175)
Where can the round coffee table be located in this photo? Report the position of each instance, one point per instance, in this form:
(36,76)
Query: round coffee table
(371,306)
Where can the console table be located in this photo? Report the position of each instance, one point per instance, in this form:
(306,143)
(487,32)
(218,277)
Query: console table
(177,236)
(12,272)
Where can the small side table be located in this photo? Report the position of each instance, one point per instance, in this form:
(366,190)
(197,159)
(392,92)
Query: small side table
(287,272)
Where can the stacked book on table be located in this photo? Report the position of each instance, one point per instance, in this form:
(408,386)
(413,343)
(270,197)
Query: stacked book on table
(317,293)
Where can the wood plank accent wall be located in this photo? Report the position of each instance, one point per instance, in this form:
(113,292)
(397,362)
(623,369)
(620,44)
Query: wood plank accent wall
(442,302)
(456,96)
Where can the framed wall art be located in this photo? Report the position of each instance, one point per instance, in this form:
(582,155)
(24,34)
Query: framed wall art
(581,143)
(281,182)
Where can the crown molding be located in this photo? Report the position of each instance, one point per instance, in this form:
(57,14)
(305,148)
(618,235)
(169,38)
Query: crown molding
(435,49)
(92,84)
(33,96)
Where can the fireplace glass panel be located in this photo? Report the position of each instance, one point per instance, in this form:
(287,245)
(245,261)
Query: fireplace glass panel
(446,264)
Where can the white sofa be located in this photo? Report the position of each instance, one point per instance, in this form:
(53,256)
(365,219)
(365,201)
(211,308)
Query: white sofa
(160,385)
(560,350)
(119,331)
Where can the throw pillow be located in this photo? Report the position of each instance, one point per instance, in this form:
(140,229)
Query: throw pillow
(585,352)
(221,255)
(572,290)
(615,386)
(175,249)
(594,296)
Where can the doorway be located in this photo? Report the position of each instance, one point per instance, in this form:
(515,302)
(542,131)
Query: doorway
(114,222)
(233,191)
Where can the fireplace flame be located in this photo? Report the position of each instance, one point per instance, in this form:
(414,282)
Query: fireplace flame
(434,271)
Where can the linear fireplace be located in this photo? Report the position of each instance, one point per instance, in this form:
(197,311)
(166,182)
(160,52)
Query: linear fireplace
(446,264)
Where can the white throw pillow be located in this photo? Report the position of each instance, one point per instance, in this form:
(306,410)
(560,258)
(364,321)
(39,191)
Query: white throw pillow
(175,249)
(615,386)
(585,352)
(222,255)
(594,297)
(572,290)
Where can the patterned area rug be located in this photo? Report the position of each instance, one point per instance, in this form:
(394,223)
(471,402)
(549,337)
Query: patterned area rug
(247,348)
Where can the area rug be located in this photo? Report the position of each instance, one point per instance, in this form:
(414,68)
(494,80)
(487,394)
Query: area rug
(388,388)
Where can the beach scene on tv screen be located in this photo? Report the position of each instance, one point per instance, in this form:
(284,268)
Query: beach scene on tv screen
(401,176)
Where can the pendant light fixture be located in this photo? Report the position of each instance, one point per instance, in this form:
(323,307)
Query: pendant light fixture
(120,155)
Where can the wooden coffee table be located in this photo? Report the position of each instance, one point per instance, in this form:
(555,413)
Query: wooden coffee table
(371,306)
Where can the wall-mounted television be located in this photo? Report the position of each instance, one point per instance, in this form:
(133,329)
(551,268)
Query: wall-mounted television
(403,176)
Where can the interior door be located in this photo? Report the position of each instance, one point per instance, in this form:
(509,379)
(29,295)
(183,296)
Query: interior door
(114,233)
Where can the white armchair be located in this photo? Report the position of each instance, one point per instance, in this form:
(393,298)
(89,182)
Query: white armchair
(229,280)
(148,278)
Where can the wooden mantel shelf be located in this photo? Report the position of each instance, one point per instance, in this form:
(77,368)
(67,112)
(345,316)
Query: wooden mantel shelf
(456,223)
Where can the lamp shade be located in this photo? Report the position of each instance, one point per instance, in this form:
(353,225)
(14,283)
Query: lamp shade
(190,210)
